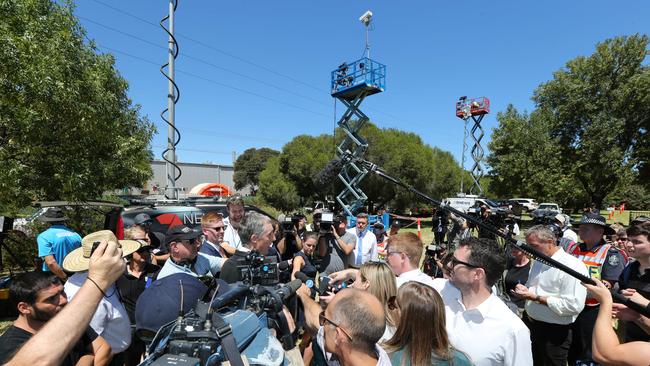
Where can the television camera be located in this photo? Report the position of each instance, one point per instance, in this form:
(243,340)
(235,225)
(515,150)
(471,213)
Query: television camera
(236,320)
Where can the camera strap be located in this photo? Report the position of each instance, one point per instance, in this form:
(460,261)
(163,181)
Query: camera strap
(228,344)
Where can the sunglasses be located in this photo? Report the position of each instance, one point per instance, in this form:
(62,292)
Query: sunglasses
(218,228)
(322,320)
(454,262)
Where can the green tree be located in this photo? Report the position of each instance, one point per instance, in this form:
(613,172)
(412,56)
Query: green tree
(249,165)
(589,129)
(597,109)
(302,158)
(67,127)
(400,153)
(276,189)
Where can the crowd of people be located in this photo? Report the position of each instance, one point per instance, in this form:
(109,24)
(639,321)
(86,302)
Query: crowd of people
(95,298)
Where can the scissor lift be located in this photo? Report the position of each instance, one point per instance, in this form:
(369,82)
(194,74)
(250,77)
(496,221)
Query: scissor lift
(351,84)
(475,109)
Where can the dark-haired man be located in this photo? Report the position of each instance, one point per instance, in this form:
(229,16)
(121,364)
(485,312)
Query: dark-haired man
(636,279)
(478,322)
(39,296)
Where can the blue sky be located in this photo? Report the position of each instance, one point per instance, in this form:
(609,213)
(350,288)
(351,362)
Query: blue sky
(256,73)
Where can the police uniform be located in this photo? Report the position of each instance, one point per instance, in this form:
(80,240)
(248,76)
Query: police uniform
(603,262)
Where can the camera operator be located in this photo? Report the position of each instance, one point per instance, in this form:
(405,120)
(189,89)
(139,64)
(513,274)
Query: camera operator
(511,228)
(293,236)
(439,222)
(342,244)
(487,218)
(257,234)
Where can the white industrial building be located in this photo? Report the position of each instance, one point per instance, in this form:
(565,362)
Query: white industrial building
(192,174)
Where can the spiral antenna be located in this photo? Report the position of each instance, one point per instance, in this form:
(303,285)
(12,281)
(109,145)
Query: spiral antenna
(168,114)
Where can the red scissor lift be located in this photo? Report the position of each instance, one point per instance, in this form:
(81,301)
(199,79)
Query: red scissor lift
(475,109)
(475,106)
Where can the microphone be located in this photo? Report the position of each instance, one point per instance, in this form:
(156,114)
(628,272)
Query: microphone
(289,289)
(283,266)
(309,282)
(229,296)
(328,174)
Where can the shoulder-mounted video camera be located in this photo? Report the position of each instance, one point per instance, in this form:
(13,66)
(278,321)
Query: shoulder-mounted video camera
(256,269)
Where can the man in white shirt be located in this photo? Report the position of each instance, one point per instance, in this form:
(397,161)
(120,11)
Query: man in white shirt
(366,242)
(403,254)
(553,299)
(231,240)
(478,322)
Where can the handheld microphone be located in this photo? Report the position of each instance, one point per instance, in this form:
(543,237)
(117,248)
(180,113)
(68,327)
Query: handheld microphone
(308,282)
(289,289)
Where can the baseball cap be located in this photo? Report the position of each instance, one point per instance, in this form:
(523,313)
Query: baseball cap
(181,232)
(142,218)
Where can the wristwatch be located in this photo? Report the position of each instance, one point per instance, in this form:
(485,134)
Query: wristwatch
(538,299)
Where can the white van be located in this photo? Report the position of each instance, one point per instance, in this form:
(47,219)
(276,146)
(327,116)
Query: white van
(471,201)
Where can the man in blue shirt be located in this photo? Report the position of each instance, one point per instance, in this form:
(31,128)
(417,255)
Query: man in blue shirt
(56,242)
(184,257)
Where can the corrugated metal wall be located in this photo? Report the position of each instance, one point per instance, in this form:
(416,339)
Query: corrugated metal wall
(193,174)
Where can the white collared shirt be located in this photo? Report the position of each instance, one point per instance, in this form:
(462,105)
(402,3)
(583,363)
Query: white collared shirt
(110,319)
(231,235)
(490,334)
(368,246)
(414,275)
(565,295)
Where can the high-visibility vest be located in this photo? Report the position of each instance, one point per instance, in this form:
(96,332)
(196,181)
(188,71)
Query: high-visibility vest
(594,262)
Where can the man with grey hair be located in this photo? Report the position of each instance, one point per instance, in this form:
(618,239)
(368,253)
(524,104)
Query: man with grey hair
(553,299)
(348,329)
(257,234)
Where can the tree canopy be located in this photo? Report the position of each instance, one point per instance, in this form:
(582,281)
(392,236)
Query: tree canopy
(68,130)
(249,165)
(400,153)
(589,129)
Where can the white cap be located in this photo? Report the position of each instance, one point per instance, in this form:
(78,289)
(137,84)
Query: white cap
(561,219)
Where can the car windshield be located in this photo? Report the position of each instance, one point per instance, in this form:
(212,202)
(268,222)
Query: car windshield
(548,207)
(491,203)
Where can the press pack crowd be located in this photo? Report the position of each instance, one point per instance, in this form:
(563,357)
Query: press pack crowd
(98,300)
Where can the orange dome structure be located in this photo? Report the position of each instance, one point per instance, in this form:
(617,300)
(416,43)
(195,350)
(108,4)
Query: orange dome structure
(211,190)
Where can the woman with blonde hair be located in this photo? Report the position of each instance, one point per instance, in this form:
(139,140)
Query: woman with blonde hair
(421,337)
(378,279)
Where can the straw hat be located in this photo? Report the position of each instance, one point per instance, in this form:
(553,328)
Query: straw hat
(79,259)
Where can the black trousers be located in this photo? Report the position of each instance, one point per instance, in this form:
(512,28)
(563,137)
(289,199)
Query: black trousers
(550,342)
(583,329)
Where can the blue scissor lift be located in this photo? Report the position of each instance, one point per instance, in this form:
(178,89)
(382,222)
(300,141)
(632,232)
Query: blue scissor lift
(351,84)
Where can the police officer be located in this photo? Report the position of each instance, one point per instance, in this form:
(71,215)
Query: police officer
(604,262)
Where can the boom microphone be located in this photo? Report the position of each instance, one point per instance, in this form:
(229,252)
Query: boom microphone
(328,174)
